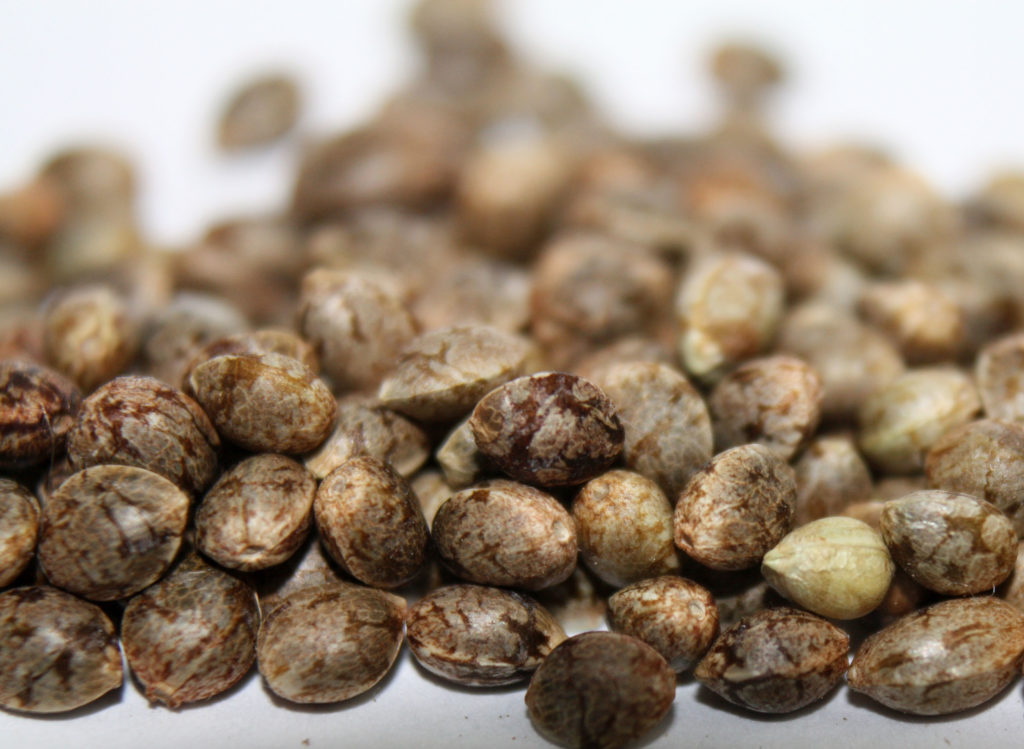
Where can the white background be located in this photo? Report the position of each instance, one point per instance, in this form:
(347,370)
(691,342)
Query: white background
(937,83)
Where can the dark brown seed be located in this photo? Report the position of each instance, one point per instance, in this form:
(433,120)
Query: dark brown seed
(257,514)
(192,635)
(600,690)
(507,534)
(943,659)
(19,528)
(776,661)
(371,523)
(552,429)
(57,652)
(479,636)
(37,408)
(109,531)
(324,645)
(139,421)
(259,113)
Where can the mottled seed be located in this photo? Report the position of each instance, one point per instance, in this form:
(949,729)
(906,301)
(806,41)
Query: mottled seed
(507,534)
(263,341)
(774,401)
(624,527)
(139,421)
(830,475)
(948,657)
(954,544)
(371,523)
(259,113)
(600,690)
(552,429)
(109,531)
(479,636)
(776,661)
(924,322)
(257,514)
(57,652)
(459,458)
(999,372)
(264,402)
(192,635)
(323,645)
(736,508)
(37,408)
(19,528)
(675,616)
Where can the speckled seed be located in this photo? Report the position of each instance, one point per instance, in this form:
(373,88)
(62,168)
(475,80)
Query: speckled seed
(459,458)
(666,424)
(624,526)
(364,427)
(776,661)
(263,341)
(139,421)
(729,307)
(985,459)
(943,659)
(736,508)
(480,637)
(37,408)
(19,528)
(57,652)
(600,690)
(837,567)
(999,372)
(258,113)
(774,401)
(552,429)
(507,534)
(257,514)
(926,324)
(830,475)
(442,374)
(109,531)
(901,421)
(264,403)
(371,523)
(192,635)
(323,645)
(675,616)
(954,544)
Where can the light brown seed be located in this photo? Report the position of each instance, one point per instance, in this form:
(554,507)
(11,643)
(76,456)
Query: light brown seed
(371,523)
(37,408)
(109,531)
(1012,589)
(830,475)
(257,514)
(322,645)
(479,636)
(432,491)
(139,421)
(552,429)
(954,544)
(262,341)
(264,402)
(776,661)
(999,372)
(192,635)
(600,690)
(624,527)
(948,657)
(19,529)
(475,291)
(919,317)
(506,534)
(259,113)
(675,616)
(57,652)
(736,508)
(459,458)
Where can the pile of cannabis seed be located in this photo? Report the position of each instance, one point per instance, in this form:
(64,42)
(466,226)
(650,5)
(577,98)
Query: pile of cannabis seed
(496,363)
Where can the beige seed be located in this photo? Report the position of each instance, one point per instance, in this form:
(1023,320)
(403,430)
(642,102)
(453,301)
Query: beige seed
(999,372)
(19,529)
(924,322)
(259,113)
(459,458)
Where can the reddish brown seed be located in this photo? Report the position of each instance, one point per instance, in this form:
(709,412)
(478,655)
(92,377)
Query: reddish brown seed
(57,652)
(19,528)
(552,429)
(192,635)
(264,402)
(257,514)
(675,616)
(323,645)
(776,661)
(946,658)
(139,421)
(506,534)
(259,113)
(600,690)
(109,531)
(736,508)
(371,523)
(479,636)
(37,408)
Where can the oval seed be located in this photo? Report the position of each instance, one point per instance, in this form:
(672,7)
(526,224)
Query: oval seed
(19,529)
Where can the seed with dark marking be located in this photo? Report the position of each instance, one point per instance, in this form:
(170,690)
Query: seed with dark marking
(37,408)
(19,528)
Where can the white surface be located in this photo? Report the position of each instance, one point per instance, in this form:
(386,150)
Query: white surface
(935,82)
